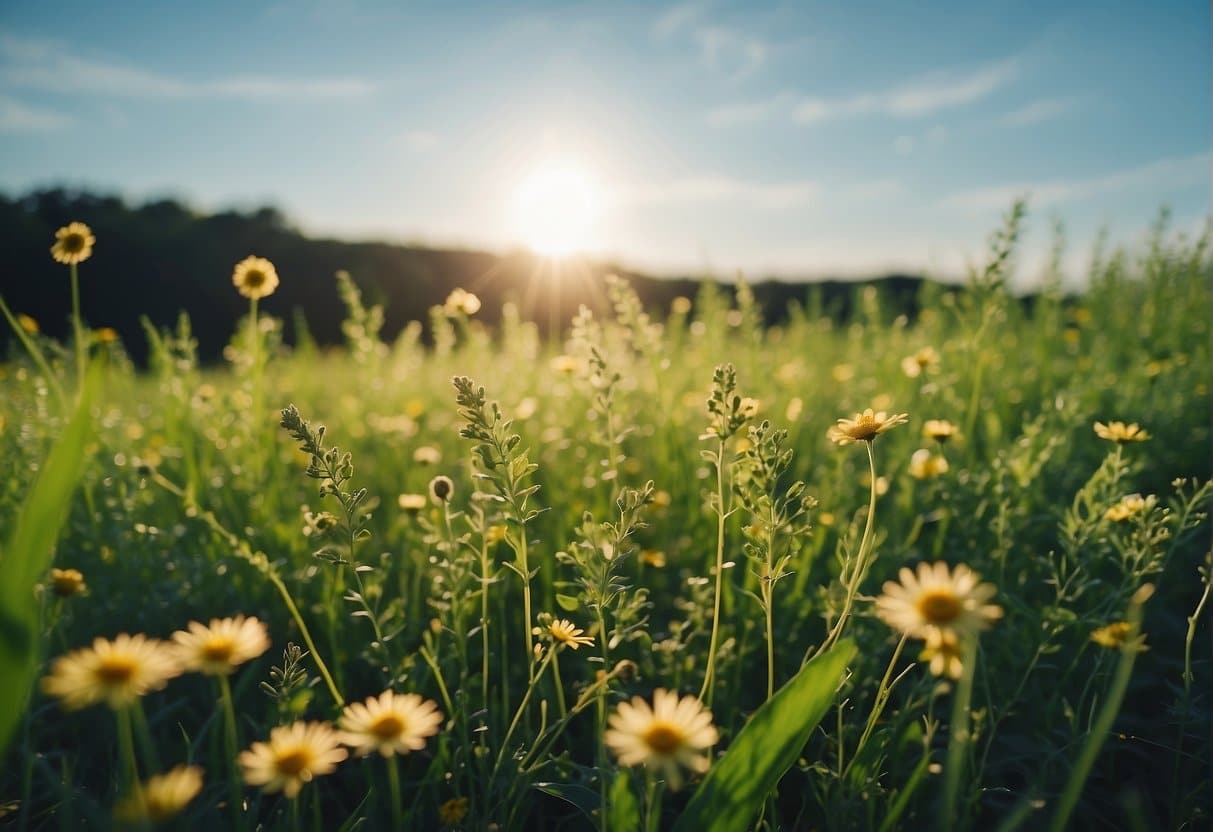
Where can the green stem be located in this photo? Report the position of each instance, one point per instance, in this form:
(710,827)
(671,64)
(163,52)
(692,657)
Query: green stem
(560,704)
(882,697)
(1176,769)
(536,674)
(393,781)
(36,354)
(77,328)
(231,741)
(959,737)
(126,752)
(709,675)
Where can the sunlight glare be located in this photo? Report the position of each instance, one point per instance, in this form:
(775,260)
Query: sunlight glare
(556,209)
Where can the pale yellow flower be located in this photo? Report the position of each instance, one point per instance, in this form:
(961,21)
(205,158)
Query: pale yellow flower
(461,302)
(390,723)
(925,465)
(653,557)
(1129,506)
(106,335)
(680,305)
(27,324)
(562,631)
(427,455)
(926,360)
(67,582)
(1121,433)
(161,797)
(73,244)
(115,672)
(255,277)
(941,430)
(942,651)
(217,648)
(295,754)
(453,811)
(566,364)
(864,427)
(1115,636)
(411,502)
(667,736)
(937,599)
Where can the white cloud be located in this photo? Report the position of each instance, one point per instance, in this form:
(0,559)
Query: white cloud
(725,49)
(16,117)
(1169,173)
(678,18)
(1037,111)
(49,66)
(927,95)
(713,188)
(750,112)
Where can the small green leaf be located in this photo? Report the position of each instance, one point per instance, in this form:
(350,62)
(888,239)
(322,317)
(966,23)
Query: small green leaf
(568,603)
(623,812)
(584,799)
(732,794)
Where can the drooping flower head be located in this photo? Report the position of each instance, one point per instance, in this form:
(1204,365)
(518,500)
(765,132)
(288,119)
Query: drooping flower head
(562,631)
(217,648)
(255,277)
(67,582)
(115,672)
(390,723)
(668,736)
(294,755)
(161,797)
(73,244)
(864,427)
(935,598)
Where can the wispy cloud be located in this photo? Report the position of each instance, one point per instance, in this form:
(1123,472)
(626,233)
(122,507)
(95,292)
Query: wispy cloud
(679,18)
(1159,176)
(716,188)
(750,112)
(1035,112)
(17,117)
(49,66)
(929,94)
(726,49)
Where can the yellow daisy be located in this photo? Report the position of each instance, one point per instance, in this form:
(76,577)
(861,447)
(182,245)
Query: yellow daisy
(217,648)
(411,502)
(1120,433)
(935,599)
(942,650)
(27,324)
(73,243)
(390,723)
(925,465)
(1115,636)
(926,360)
(161,797)
(941,430)
(254,277)
(294,755)
(1129,506)
(115,672)
(562,631)
(67,582)
(461,302)
(668,736)
(864,427)
(453,811)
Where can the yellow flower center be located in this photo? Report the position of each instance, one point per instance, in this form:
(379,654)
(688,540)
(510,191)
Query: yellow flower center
(939,606)
(294,762)
(561,634)
(73,243)
(387,727)
(253,278)
(663,738)
(864,430)
(117,670)
(218,649)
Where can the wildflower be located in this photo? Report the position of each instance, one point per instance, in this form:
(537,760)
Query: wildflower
(562,630)
(319,523)
(217,648)
(67,582)
(936,599)
(653,557)
(453,811)
(495,533)
(161,797)
(926,360)
(294,755)
(941,430)
(73,244)
(567,364)
(1115,636)
(842,373)
(254,277)
(115,672)
(666,736)
(411,502)
(1120,433)
(427,455)
(390,723)
(1129,506)
(28,325)
(680,305)
(749,407)
(864,427)
(925,465)
(461,302)
(441,489)
(106,335)
(942,650)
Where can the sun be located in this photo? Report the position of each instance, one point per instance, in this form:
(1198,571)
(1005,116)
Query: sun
(556,209)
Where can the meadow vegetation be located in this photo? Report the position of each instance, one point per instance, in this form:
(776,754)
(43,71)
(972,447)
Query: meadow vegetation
(683,570)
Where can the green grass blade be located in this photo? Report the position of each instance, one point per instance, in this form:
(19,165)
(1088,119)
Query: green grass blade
(27,554)
(732,794)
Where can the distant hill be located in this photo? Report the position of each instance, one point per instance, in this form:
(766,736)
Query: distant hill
(161,257)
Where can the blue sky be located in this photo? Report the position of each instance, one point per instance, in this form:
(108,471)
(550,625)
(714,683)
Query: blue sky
(783,138)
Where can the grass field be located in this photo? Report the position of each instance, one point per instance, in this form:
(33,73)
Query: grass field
(664,506)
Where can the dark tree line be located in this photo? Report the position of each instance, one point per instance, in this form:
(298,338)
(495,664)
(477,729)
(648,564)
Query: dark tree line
(161,257)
